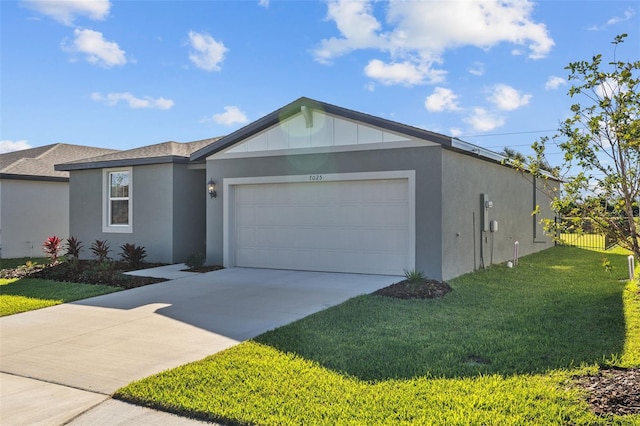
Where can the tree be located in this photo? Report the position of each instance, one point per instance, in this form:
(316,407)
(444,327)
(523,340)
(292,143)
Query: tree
(513,155)
(520,162)
(601,146)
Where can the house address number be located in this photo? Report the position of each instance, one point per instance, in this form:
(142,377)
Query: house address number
(315,178)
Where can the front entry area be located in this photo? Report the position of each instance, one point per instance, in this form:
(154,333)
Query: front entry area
(334,223)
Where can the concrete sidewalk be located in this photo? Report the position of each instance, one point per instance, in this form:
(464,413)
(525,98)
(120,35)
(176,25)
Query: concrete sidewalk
(61,361)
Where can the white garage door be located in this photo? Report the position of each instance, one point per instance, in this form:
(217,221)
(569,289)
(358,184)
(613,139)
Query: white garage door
(358,226)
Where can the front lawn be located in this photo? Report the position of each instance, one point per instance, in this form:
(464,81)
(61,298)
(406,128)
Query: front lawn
(26,294)
(501,348)
(20,261)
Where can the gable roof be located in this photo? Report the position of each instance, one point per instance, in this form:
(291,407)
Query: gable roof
(296,106)
(38,163)
(165,152)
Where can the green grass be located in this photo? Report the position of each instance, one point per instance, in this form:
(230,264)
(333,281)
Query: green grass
(19,261)
(22,295)
(500,349)
(584,240)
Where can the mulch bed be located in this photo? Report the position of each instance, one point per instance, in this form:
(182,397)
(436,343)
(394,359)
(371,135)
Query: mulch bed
(92,272)
(203,269)
(613,391)
(429,289)
(86,272)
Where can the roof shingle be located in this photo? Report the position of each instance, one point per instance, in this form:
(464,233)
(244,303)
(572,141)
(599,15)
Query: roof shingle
(40,161)
(152,154)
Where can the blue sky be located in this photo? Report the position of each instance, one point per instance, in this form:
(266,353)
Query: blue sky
(124,74)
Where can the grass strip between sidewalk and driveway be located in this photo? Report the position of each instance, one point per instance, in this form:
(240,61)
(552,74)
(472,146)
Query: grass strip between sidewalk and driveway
(501,349)
(28,294)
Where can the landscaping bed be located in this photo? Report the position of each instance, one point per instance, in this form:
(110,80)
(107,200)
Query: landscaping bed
(203,269)
(613,390)
(85,271)
(427,289)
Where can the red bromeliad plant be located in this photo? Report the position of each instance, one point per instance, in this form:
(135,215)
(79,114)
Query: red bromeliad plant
(51,247)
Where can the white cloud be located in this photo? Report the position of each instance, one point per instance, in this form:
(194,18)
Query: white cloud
(147,102)
(66,11)
(263,3)
(435,26)
(357,25)
(405,73)
(484,121)
(455,132)
(10,146)
(207,53)
(98,51)
(442,99)
(231,115)
(421,31)
(608,88)
(554,82)
(628,14)
(477,69)
(507,98)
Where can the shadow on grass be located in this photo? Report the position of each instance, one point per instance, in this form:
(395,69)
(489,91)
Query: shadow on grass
(558,309)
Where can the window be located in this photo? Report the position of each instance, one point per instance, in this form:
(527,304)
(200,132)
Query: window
(118,201)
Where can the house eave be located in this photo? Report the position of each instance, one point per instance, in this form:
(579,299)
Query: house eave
(12,176)
(122,163)
(472,150)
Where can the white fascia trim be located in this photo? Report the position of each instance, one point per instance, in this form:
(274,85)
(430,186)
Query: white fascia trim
(321,149)
(228,185)
(116,229)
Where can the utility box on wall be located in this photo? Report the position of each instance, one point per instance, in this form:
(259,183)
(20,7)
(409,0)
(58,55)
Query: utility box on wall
(485,204)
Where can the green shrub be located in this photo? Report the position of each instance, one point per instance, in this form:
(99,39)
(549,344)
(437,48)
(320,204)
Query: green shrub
(414,276)
(195,261)
(29,264)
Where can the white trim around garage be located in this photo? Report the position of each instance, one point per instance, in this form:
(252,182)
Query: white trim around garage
(231,184)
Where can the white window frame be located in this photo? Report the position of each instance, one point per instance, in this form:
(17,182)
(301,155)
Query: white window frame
(106,202)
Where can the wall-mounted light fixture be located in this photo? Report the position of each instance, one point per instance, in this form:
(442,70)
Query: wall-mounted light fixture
(211,188)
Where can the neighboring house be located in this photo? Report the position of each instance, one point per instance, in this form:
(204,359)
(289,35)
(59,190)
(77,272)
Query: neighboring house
(34,198)
(149,196)
(317,187)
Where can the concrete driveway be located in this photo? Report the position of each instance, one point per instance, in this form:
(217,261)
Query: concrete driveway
(84,351)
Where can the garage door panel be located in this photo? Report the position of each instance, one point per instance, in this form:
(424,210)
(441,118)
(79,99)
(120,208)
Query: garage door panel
(325,239)
(346,216)
(345,226)
(328,261)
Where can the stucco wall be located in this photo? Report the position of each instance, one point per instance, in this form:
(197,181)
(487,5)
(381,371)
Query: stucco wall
(424,160)
(31,211)
(464,245)
(160,211)
(189,195)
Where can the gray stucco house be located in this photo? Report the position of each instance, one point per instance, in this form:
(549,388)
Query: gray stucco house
(34,198)
(313,186)
(150,196)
